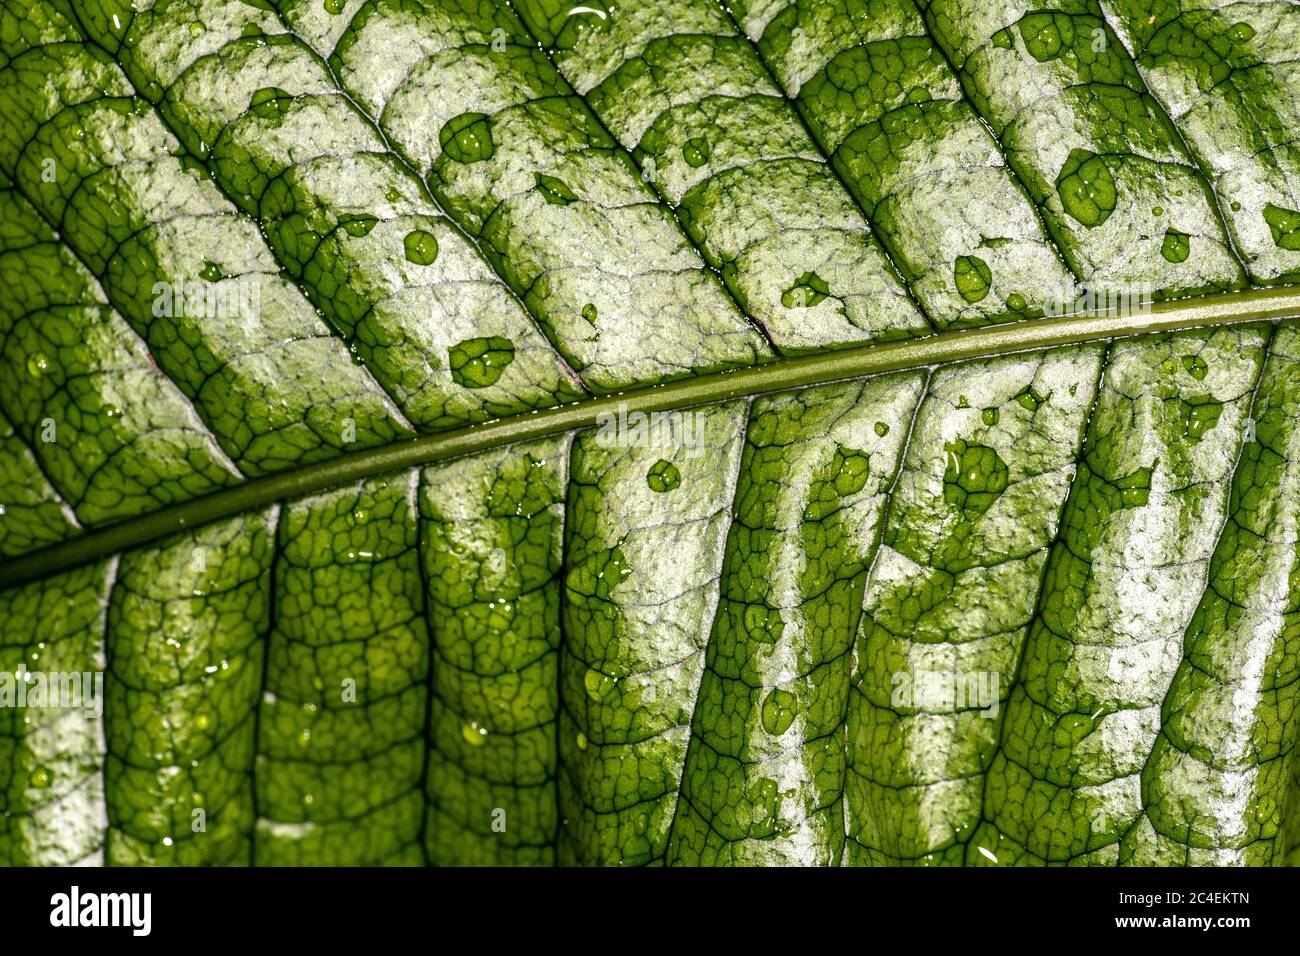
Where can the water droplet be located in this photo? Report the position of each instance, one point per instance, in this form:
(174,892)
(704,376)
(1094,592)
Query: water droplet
(211,271)
(478,363)
(421,247)
(475,734)
(882,429)
(1284,224)
(1157,211)
(196,28)
(553,190)
(1086,188)
(589,313)
(270,103)
(37,364)
(335,7)
(358,226)
(778,711)
(1176,247)
(1071,728)
(663,476)
(1029,398)
(41,778)
(1241,32)
(974,477)
(596,684)
(467,138)
(696,152)
(202,721)
(1016,302)
(1135,488)
(844,475)
(392,195)
(582,741)
(990,416)
(1195,366)
(808,290)
(1199,414)
(973,277)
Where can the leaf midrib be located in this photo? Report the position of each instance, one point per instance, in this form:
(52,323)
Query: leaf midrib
(1254,305)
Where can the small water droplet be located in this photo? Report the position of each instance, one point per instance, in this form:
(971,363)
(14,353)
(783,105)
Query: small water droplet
(808,290)
(696,152)
(37,364)
(972,276)
(1241,32)
(358,226)
(1195,366)
(596,684)
(475,735)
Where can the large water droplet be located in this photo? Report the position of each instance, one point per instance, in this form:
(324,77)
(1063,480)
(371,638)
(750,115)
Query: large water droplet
(663,476)
(696,152)
(467,138)
(270,103)
(1284,224)
(974,477)
(478,363)
(1086,188)
(973,277)
(778,711)
(421,247)
(1176,246)
(358,225)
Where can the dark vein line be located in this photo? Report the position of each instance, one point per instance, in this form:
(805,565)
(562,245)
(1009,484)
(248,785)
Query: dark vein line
(736,480)
(427,613)
(1040,598)
(427,194)
(272,607)
(205,162)
(797,109)
(110,582)
(886,512)
(1230,484)
(664,202)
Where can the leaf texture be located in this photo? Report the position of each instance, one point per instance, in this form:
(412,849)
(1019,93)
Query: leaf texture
(1018,609)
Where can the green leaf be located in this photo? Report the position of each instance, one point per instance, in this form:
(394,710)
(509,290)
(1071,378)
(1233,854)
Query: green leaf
(815,433)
